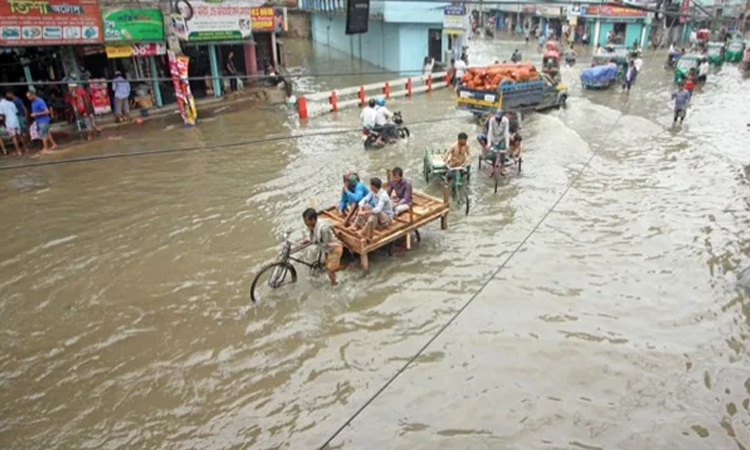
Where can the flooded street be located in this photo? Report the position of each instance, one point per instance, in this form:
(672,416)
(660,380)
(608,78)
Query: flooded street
(127,323)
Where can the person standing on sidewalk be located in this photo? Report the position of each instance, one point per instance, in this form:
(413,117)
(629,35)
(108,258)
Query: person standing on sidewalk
(232,72)
(10,112)
(121,88)
(42,119)
(84,109)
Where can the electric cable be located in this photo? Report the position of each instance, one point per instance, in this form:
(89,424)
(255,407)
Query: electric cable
(474,296)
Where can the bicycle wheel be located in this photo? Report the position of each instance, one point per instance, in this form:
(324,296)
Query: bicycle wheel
(465,195)
(270,277)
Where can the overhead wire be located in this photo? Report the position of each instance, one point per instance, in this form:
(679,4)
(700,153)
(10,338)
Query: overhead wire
(206,147)
(476,294)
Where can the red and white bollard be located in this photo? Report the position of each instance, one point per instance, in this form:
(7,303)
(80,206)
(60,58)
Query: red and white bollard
(302,107)
(361,96)
(429,82)
(408,88)
(334,102)
(387,90)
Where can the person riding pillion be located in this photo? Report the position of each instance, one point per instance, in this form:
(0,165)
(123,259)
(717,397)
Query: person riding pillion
(382,117)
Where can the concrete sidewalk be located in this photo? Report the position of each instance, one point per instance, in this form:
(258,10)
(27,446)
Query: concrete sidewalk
(260,94)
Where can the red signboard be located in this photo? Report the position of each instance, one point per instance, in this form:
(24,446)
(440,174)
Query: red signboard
(684,10)
(610,11)
(50,22)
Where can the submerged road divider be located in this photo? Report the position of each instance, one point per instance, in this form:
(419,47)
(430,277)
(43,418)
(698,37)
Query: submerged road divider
(325,102)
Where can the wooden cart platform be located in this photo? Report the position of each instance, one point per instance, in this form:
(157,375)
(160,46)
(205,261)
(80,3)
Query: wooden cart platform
(424,209)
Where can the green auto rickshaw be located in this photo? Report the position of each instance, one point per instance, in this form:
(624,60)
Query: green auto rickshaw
(619,58)
(734,51)
(684,64)
(715,53)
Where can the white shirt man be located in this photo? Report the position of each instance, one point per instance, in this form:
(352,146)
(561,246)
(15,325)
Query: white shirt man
(382,115)
(9,110)
(703,69)
(368,117)
(460,68)
(638,63)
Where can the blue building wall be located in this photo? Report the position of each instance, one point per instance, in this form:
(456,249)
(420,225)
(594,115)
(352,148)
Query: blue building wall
(412,12)
(393,46)
(633,33)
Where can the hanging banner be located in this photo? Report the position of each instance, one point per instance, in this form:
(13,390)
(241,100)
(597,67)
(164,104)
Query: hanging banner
(269,18)
(357,16)
(212,20)
(453,19)
(684,10)
(100,96)
(132,25)
(137,50)
(178,70)
(49,22)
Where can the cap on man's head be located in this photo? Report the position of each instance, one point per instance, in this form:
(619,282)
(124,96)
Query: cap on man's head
(353,178)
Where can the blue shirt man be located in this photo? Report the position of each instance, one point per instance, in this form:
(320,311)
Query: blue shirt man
(38,105)
(121,86)
(353,191)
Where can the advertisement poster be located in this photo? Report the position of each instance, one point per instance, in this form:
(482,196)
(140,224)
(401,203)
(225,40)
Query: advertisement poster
(453,19)
(178,70)
(137,50)
(133,25)
(269,18)
(212,20)
(613,11)
(100,96)
(684,10)
(49,22)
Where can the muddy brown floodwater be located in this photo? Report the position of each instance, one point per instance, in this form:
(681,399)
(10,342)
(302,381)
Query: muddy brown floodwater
(126,320)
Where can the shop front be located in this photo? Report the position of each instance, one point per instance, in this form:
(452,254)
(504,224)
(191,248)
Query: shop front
(47,42)
(135,46)
(617,25)
(268,23)
(215,37)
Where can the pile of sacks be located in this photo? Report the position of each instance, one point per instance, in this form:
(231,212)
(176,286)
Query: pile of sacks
(489,78)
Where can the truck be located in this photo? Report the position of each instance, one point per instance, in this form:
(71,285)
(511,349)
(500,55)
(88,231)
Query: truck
(532,95)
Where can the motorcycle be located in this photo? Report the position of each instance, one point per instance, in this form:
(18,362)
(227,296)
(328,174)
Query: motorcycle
(401,131)
(372,137)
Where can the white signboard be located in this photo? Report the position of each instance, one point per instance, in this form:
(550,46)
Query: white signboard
(213,20)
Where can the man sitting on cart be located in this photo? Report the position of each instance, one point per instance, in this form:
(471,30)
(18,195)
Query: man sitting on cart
(379,216)
(323,236)
(353,191)
(399,190)
(457,156)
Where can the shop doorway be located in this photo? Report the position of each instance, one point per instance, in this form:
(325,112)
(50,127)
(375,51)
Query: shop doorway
(618,30)
(435,44)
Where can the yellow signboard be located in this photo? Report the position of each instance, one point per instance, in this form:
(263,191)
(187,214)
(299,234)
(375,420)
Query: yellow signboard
(119,51)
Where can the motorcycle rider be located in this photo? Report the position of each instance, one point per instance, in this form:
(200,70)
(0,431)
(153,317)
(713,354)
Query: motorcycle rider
(368,117)
(382,124)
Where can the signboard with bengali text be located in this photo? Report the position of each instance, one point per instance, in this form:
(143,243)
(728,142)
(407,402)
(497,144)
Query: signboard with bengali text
(453,19)
(136,50)
(613,11)
(269,18)
(132,25)
(214,20)
(50,22)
